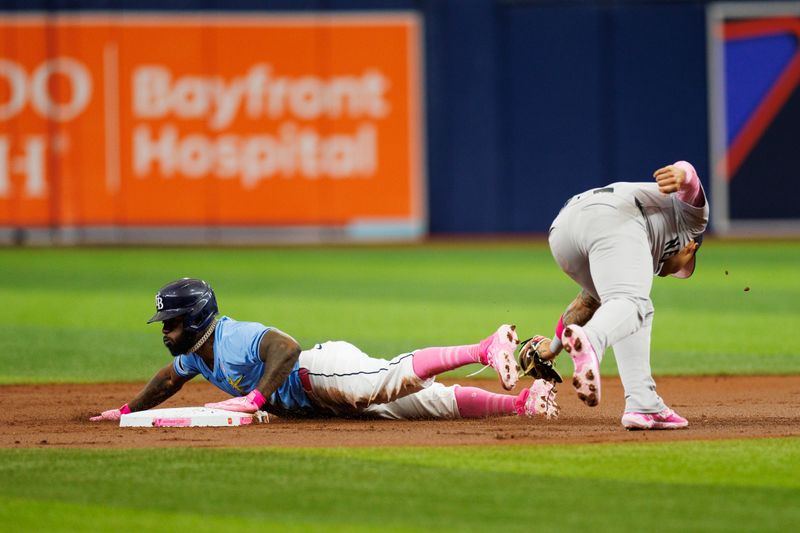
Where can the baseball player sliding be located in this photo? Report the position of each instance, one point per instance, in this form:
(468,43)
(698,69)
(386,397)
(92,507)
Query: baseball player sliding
(611,241)
(264,368)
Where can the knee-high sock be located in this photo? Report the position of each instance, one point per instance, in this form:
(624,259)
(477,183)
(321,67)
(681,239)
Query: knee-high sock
(473,402)
(429,362)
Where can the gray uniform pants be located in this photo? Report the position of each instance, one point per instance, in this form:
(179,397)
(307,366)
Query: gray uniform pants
(600,241)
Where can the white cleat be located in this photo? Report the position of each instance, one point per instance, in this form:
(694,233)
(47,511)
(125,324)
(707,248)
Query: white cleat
(666,419)
(538,400)
(586,378)
(499,351)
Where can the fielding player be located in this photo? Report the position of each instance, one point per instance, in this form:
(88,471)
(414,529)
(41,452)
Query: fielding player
(264,368)
(611,241)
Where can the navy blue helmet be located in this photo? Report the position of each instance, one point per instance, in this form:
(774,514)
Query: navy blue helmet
(189,297)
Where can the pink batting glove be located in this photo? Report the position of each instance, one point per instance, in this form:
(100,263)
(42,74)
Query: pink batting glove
(112,414)
(243,404)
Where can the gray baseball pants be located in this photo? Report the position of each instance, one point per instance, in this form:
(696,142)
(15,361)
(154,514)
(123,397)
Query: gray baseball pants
(600,241)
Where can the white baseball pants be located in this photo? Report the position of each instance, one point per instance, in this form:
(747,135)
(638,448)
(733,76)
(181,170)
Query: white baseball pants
(344,381)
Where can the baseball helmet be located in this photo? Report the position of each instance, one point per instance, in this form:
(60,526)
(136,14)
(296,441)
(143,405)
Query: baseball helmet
(190,297)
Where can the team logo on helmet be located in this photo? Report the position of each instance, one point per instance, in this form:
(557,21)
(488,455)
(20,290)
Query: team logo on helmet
(190,298)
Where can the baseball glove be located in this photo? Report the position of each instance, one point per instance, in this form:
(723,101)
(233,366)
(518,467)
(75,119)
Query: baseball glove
(533,365)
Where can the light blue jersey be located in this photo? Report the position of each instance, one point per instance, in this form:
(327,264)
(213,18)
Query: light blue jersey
(238,367)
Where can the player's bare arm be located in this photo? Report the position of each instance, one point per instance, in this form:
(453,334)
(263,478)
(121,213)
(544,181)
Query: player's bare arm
(279,352)
(162,386)
(681,178)
(579,312)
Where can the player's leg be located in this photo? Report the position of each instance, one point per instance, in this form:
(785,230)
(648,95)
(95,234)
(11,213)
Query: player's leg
(433,402)
(633,363)
(344,380)
(538,399)
(571,251)
(605,249)
(644,408)
(496,350)
(621,266)
(440,402)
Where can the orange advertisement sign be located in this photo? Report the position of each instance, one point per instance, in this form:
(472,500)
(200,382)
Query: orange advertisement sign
(210,120)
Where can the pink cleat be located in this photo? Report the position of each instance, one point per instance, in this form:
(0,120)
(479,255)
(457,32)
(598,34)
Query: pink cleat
(586,378)
(498,350)
(538,400)
(666,419)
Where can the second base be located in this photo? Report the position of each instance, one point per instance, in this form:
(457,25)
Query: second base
(191,417)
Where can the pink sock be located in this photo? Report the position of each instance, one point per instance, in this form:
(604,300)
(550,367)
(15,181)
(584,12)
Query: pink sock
(429,362)
(473,402)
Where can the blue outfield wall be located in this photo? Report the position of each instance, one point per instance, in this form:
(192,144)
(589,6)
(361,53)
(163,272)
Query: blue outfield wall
(529,102)
(541,100)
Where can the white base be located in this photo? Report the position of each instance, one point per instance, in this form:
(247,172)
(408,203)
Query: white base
(190,417)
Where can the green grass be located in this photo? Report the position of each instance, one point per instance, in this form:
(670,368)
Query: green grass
(750,485)
(78,314)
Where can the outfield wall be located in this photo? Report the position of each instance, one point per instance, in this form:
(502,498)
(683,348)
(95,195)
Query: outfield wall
(517,106)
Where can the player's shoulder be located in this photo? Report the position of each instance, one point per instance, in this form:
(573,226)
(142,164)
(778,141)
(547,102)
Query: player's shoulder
(186,364)
(228,328)
(695,217)
(237,341)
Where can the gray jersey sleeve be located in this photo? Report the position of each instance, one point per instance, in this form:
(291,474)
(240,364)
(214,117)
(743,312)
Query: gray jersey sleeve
(669,223)
(692,220)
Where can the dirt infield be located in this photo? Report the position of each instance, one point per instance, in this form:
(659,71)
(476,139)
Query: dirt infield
(717,408)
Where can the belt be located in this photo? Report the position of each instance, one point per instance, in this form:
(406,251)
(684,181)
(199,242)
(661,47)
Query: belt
(305,380)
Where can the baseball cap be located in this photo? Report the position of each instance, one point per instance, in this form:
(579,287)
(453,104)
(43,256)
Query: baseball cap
(688,268)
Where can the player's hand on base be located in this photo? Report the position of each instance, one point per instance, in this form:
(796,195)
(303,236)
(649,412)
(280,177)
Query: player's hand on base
(669,178)
(243,404)
(240,405)
(112,414)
